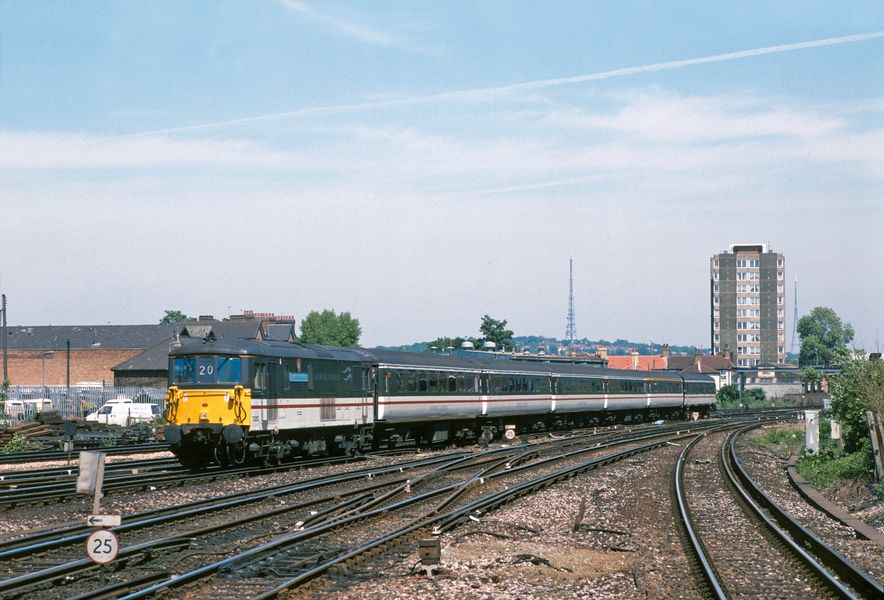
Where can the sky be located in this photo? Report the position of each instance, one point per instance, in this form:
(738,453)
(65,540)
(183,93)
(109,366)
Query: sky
(421,164)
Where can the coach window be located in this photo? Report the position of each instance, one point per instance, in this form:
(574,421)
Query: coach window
(260,382)
(452,383)
(422,383)
(432,384)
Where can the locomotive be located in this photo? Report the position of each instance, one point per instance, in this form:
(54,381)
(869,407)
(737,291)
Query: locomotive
(233,401)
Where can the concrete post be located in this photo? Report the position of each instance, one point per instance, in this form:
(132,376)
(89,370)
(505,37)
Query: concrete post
(812,430)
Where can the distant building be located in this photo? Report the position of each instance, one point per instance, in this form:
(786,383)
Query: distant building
(719,368)
(56,354)
(637,362)
(267,317)
(748,305)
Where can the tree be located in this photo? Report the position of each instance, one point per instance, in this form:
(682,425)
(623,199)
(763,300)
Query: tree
(330,329)
(173,316)
(495,331)
(754,396)
(728,394)
(857,388)
(824,337)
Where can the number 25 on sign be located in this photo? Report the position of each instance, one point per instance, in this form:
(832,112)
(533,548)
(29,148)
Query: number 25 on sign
(102,546)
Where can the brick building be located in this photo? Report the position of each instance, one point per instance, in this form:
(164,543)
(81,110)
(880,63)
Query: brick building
(46,353)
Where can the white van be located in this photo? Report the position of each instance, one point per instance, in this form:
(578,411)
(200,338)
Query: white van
(124,411)
(28,408)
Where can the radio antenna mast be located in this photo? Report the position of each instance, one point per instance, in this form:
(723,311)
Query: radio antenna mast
(571,329)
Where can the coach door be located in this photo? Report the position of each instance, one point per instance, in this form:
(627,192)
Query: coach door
(264,385)
(368,376)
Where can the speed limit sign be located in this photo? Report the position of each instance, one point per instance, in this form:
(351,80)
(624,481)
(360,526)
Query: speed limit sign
(102,546)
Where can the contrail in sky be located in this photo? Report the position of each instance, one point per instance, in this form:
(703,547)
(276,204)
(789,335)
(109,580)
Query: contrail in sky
(481,93)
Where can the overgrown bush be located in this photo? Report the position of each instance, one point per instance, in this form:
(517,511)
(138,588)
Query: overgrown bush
(18,443)
(832,462)
(825,468)
(858,388)
(782,440)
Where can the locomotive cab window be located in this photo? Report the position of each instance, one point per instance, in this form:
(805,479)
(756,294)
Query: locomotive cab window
(206,370)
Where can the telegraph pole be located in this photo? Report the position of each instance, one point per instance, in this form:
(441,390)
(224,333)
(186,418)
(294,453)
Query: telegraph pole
(794,317)
(5,351)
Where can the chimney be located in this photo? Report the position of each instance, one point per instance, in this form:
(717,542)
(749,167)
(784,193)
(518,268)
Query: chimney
(603,352)
(665,356)
(698,360)
(634,355)
(727,352)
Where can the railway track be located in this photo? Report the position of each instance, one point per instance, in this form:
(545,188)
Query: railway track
(316,519)
(743,542)
(24,457)
(123,479)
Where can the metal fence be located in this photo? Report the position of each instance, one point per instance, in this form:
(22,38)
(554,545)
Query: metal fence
(24,402)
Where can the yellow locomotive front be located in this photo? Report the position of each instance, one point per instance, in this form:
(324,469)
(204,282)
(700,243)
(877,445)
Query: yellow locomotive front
(208,408)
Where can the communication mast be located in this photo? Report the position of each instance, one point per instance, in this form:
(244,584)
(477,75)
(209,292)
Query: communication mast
(794,317)
(571,329)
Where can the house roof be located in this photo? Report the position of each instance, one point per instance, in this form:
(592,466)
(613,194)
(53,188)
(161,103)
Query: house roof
(282,331)
(114,337)
(155,358)
(645,363)
(716,362)
(238,329)
(703,369)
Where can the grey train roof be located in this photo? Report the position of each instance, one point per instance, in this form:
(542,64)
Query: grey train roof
(278,348)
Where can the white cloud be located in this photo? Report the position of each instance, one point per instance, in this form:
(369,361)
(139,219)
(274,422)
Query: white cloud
(30,151)
(345,26)
(646,138)
(488,94)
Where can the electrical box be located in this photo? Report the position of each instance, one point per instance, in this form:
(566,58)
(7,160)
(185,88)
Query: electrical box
(430,551)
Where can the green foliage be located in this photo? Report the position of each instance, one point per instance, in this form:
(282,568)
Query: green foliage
(495,331)
(4,391)
(753,396)
(330,329)
(782,440)
(157,422)
(111,441)
(824,337)
(18,443)
(829,466)
(857,388)
(173,316)
(728,394)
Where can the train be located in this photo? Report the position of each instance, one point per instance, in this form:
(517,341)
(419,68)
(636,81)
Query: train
(234,401)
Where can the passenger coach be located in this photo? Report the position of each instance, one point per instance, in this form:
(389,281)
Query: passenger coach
(231,400)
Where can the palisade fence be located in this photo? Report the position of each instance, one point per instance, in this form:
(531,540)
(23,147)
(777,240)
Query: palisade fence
(24,402)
